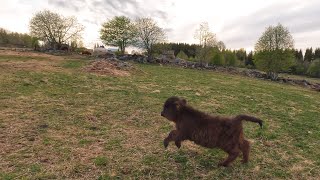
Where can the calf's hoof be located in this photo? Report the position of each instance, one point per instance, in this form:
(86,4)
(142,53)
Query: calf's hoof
(223,164)
(165,144)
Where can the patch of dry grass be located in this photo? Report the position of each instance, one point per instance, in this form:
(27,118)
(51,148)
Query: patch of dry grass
(70,124)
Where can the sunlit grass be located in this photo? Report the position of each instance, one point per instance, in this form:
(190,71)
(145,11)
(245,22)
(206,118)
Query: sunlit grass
(71,124)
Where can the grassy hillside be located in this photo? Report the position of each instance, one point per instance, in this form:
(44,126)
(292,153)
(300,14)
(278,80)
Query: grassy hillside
(57,121)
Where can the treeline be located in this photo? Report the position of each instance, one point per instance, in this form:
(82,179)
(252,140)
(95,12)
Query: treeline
(209,55)
(309,64)
(311,55)
(14,39)
(189,49)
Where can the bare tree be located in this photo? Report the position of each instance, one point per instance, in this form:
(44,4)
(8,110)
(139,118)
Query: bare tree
(221,46)
(207,40)
(205,37)
(148,34)
(55,28)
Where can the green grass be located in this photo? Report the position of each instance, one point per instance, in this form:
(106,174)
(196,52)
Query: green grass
(73,64)
(100,161)
(106,127)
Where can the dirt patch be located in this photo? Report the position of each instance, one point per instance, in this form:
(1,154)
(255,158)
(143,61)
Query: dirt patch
(32,65)
(33,61)
(30,54)
(105,67)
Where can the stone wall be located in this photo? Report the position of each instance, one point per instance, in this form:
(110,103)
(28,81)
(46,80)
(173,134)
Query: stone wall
(196,65)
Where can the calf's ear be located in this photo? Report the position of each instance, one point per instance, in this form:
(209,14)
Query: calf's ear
(177,105)
(183,102)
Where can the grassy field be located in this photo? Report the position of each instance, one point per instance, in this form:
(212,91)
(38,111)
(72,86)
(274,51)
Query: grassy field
(59,122)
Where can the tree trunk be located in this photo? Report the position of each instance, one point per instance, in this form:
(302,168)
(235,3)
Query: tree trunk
(122,47)
(149,52)
(149,56)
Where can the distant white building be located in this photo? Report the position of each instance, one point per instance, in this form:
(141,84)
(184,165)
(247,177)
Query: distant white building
(112,50)
(99,50)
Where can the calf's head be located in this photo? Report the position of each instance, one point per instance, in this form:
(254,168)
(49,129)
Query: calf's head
(172,107)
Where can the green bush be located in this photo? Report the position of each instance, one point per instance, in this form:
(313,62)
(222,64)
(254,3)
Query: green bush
(274,61)
(192,59)
(299,68)
(218,60)
(314,68)
(231,59)
(118,53)
(182,55)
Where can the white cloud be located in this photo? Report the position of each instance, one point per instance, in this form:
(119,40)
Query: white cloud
(237,23)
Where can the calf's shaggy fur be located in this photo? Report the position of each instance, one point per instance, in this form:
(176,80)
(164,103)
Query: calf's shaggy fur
(206,130)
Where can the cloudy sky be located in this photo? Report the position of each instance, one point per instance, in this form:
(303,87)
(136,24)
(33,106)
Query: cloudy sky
(238,23)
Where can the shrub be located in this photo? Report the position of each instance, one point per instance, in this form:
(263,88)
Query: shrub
(118,53)
(274,61)
(192,59)
(231,59)
(218,60)
(314,68)
(299,68)
(182,55)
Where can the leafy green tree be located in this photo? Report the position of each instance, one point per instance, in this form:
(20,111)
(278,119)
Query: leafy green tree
(3,36)
(274,51)
(299,67)
(249,62)
(205,54)
(17,39)
(119,31)
(218,59)
(35,43)
(230,58)
(299,55)
(241,54)
(314,68)
(309,55)
(317,53)
(274,61)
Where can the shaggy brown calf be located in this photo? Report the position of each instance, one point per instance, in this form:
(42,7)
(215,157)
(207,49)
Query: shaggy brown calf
(209,131)
(86,53)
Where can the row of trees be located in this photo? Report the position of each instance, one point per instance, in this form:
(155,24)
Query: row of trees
(311,55)
(307,64)
(13,39)
(122,32)
(273,51)
(214,55)
(190,50)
